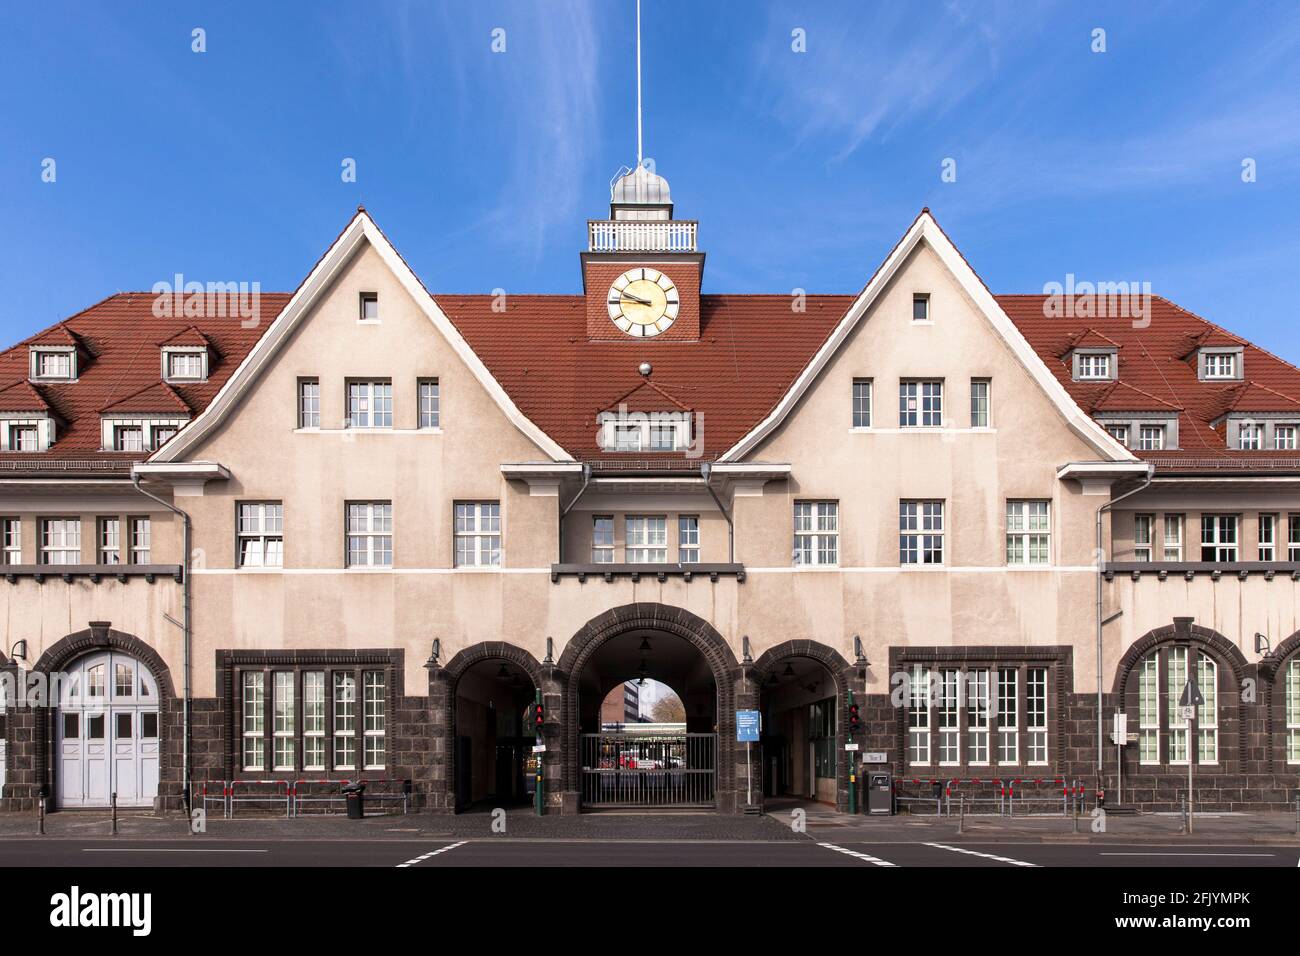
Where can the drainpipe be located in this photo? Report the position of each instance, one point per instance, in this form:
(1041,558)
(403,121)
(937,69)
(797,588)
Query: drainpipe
(1101,732)
(586,480)
(187,632)
(706,469)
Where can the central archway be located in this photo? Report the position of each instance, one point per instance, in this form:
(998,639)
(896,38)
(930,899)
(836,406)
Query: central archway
(686,652)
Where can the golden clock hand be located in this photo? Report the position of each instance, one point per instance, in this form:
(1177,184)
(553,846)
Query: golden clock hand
(634,298)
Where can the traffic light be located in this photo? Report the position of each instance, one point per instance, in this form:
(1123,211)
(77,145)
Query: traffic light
(539,718)
(855,723)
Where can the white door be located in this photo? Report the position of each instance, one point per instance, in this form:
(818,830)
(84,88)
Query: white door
(108,733)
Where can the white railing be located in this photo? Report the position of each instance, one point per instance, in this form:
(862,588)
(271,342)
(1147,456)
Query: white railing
(609,235)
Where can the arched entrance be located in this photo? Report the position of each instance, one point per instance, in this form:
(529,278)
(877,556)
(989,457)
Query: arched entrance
(802,694)
(491,741)
(655,765)
(107,732)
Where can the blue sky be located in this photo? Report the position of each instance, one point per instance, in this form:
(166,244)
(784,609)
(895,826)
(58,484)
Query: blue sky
(803,168)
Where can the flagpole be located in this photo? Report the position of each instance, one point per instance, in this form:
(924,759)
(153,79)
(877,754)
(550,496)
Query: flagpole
(638,82)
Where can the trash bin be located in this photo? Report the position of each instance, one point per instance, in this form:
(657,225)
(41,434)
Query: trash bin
(355,794)
(880,792)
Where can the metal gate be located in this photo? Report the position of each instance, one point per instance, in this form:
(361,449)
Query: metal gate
(648,770)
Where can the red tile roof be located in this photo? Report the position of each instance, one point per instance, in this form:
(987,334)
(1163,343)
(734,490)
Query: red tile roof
(122,368)
(750,351)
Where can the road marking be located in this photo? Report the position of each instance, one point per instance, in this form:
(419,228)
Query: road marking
(421,859)
(161,849)
(987,856)
(1188,854)
(855,853)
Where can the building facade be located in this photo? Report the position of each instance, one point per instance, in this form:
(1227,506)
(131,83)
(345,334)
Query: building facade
(360,530)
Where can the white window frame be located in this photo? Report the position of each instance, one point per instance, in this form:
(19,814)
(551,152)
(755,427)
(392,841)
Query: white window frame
(862,407)
(1293,537)
(477,534)
(253,725)
(60,540)
(1144,525)
(11,540)
(429,404)
(284,723)
(370,403)
(981,403)
(1267,536)
(646,539)
(108,539)
(688,539)
(259,532)
(1173,537)
(1292,705)
(42,354)
(1094,366)
(1149,710)
(922,299)
(1029,531)
(1225,551)
(1250,436)
(314,712)
(1221,365)
(921,533)
(918,716)
(344,689)
(1151,437)
(1285,437)
(124,435)
(368,534)
(1037,716)
(1008,717)
(816,533)
(374,689)
(920,403)
(947,717)
(602,539)
(24,436)
(1119,432)
(308,403)
(194,360)
(368,308)
(978,713)
(140,528)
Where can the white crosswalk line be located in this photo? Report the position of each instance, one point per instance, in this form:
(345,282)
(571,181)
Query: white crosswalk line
(432,853)
(861,856)
(987,856)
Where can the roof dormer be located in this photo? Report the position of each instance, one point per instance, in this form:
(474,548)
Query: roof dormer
(56,355)
(186,357)
(1093,357)
(27,423)
(1218,356)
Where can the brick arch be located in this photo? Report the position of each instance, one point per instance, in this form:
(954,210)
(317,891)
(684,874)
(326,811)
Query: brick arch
(100,636)
(1271,665)
(1272,671)
(1232,725)
(651,616)
(450,676)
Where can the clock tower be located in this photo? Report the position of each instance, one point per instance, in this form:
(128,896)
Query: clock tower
(641,272)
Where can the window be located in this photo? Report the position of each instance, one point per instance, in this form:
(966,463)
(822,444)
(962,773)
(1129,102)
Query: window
(60,541)
(1029,539)
(920,404)
(369,307)
(1008,715)
(647,539)
(259,534)
(370,534)
(283,729)
(11,547)
(979,402)
(24,438)
(141,536)
(1267,537)
(637,431)
(308,403)
(1218,537)
(1284,437)
(921,307)
(110,541)
(862,403)
(977,717)
(345,721)
(1173,538)
(1036,714)
(313,720)
(374,713)
(162,434)
(54,365)
(918,717)
(920,532)
(478,534)
(663,437)
(429,404)
(821,734)
(602,539)
(254,723)
(627,437)
(816,532)
(370,404)
(128,438)
(1151,437)
(186,366)
(1293,712)
(1250,437)
(1163,730)
(1142,525)
(1119,433)
(947,717)
(1094,365)
(1220,365)
(688,539)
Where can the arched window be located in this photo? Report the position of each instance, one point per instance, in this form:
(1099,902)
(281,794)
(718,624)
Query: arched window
(1293,711)
(1164,734)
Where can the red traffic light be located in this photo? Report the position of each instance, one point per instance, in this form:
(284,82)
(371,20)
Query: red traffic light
(853,717)
(538,716)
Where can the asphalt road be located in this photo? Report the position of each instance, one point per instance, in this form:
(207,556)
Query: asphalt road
(416,854)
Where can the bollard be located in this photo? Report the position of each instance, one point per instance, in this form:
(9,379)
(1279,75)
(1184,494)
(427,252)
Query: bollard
(40,817)
(1076,818)
(1182,803)
(961,813)
(113,805)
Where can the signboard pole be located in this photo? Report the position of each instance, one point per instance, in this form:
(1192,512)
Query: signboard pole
(1191,699)
(853,790)
(749,774)
(748,729)
(1190,763)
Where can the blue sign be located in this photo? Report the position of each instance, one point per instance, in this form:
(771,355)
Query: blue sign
(747,726)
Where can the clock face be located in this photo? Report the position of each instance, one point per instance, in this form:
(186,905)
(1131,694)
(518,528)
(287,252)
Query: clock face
(643,302)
